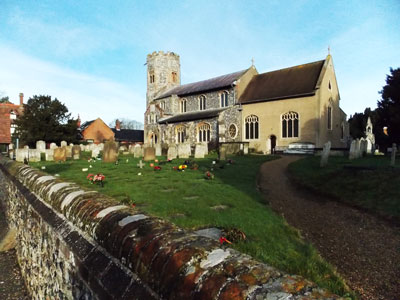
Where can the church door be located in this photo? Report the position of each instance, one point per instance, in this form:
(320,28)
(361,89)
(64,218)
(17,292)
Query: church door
(273,143)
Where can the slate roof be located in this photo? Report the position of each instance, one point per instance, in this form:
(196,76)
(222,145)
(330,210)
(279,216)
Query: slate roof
(191,116)
(298,81)
(129,135)
(211,84)
(86,125)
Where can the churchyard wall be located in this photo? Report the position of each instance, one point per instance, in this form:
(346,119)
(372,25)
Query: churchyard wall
(79,244)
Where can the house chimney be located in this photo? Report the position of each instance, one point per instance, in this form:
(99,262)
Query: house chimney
(117,125)
(21,99)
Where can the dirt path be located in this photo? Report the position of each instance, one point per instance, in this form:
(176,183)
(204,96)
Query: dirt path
(365,250)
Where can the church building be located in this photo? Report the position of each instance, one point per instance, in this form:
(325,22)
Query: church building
(269,111)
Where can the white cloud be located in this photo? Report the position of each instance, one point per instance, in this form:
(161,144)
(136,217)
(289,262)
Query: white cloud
(83,94)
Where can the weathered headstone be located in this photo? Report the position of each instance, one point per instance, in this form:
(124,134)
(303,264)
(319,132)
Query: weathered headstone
(325,154)
(60,154)
(41,146)
(87,148)
(21,154)
(63,143)
(184,150)
(53,146)
(222,152)
(137,151)
(110,151)
(34,155)
(95,153)
(358,150)
(246,149)
(82,146)
(11,151)
(76,152)
(158,149)
(149,154)
(172,152)
(122,148)
(352,153)
(101,146)
(69,151)
(393,156)
(140,164)
(49,154)
(200,150)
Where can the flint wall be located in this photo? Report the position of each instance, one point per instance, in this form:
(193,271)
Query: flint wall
(79,244)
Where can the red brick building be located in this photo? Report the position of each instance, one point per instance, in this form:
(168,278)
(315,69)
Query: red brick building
(8,113)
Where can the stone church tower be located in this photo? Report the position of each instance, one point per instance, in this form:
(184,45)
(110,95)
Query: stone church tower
(163,73)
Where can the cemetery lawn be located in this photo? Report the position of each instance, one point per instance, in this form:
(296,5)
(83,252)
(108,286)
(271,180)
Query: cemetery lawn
(369,182)
(230,200)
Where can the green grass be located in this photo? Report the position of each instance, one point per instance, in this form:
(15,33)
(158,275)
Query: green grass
(369,182)
(185,198)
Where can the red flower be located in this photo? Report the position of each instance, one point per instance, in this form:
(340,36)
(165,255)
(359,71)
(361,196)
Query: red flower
(223,239)
(157,168)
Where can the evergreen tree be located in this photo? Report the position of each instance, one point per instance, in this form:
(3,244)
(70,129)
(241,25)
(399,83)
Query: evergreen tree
(388,111)
(45,119)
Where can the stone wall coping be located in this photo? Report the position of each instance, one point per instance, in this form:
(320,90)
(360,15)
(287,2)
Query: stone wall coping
(131,253)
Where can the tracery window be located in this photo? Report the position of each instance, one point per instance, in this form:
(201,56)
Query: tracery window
(202,102)
(180,134)
(224,99)
(182,106)
(251,127)
(232,131)
(290,124)
(204,132)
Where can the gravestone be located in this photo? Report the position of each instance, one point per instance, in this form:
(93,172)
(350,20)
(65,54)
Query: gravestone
(95,153)
(352,153)
(41,146)
(122,148)
(76,152)
(60,154)
(137,151)
(100,146)
(21,154)
(69,151)
(246,149)
(184,150)
(141,164)
(49,154)
(26,147)
(205,148)
(82,146)
(149,154)
(53,146)
(87,148)
(200,150)
(222,152)
(34,155)
(131,149)
(11,151)
(393,156)
(172,152)
(110,151)
(63,143)
(158,149)
(325,154)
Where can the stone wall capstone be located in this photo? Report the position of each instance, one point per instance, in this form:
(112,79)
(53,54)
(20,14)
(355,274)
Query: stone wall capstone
(79,244)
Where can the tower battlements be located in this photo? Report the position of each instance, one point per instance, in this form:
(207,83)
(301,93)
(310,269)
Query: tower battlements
(162,53)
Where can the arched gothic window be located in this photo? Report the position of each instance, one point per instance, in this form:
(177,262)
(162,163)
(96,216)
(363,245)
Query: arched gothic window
(202,102)
(204,132)
(251,127)
(290,124)
(182,106)
(224,99)
(180,134)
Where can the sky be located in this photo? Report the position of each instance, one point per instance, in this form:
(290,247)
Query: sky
(91,55)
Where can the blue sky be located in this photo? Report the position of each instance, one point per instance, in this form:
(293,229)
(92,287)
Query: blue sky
(91,54)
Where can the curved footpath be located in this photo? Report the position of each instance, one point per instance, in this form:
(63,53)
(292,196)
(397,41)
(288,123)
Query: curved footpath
(364,249)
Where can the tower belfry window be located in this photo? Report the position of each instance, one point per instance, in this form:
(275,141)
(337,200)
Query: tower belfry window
(174,77)
(151,77)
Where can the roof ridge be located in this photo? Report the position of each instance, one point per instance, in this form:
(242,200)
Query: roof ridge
(292,67)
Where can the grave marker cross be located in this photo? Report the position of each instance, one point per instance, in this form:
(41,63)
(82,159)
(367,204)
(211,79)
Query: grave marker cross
(140,164)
